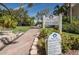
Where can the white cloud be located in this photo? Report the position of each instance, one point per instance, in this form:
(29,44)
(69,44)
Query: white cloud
(21,7)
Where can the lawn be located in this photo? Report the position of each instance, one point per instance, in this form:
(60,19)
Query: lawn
(21,29)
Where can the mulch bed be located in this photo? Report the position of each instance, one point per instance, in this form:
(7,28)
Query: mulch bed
(72,52)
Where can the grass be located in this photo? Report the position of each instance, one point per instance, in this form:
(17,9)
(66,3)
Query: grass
(70,34)
(21,29)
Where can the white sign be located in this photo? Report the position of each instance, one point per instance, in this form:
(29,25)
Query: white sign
(55,20)
(52,21)
(54,44)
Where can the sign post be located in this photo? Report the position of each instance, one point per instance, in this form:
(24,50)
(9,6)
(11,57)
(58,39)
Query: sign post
(44,21)
(60,23)
(56,20)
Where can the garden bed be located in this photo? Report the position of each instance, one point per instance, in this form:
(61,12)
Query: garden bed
(70,41)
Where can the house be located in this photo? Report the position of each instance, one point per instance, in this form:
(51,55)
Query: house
(74,9)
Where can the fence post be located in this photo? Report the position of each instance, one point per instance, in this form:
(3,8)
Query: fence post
(60,23)
(44,21)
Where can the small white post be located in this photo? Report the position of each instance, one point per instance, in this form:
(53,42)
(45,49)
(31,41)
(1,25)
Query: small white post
(60,23)
(44,21)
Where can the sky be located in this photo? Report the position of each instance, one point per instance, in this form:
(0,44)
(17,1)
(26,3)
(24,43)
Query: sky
(36,8)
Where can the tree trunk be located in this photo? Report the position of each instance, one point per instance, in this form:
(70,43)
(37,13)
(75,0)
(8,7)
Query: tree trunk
(70,12)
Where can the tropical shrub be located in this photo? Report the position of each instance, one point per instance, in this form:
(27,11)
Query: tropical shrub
(8,21)
(44,33)
(65,19)
(41,46)
(29,22)
(73,27)
(70,42)
(32,22)
(41,41)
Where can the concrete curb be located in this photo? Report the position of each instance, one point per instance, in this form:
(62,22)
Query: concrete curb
(34,49)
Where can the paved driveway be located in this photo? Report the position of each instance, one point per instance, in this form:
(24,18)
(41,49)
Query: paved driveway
(22,45)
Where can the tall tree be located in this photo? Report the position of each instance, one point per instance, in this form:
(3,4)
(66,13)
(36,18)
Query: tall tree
(42,13)
(70,12)
(60,9)
(40,16)
(1,4)
(65,10)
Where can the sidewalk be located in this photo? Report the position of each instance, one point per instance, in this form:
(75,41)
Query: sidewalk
(22,45)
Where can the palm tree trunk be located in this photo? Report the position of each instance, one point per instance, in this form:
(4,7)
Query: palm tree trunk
(70,12)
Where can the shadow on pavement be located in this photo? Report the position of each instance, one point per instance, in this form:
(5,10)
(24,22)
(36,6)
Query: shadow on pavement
(6,42)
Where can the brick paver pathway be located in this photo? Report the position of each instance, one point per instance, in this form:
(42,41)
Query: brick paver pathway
(22,45)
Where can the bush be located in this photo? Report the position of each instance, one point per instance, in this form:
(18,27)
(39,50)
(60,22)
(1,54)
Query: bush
(70,27)
(70,42)
(29,22)
(41,42)
(43,33)
(13,24)
(8,21)
(65,19)
(41,46)
(46,32)
(73,27)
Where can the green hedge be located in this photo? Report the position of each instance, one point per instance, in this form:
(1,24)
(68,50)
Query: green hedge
(45,32)
(71,27)
(70,42)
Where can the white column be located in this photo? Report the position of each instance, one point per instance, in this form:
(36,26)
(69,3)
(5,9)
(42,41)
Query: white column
(44,21)
(60,23)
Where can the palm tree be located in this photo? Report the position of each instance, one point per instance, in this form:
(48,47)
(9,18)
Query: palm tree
(70,12)
(23,13)
(1,4)
(60,9)
(7,17)
(20,11)
(64,10)
(40,15)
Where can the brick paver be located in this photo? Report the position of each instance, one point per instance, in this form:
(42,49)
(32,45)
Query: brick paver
(22,45)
